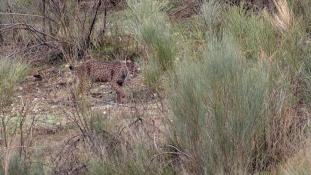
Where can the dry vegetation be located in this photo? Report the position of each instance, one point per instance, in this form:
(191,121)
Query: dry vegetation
(225,87)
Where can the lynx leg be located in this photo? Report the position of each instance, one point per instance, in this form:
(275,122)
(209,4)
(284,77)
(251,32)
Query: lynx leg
(119,91)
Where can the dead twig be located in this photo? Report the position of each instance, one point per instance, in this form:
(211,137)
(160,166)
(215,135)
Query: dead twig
(25,27)
(131,124)
(26,15)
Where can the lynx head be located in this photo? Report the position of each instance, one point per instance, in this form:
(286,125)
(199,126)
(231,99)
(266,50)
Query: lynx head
(133,68)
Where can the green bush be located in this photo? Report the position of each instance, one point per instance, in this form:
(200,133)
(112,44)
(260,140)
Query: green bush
(226,109)
(307,79)
(139,161)
(253,32)
(11,73)
(211,15)
(17,166)
(150,25)
(302,10)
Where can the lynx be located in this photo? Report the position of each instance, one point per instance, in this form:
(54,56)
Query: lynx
(116,73)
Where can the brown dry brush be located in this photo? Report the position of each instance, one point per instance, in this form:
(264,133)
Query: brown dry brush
(65,27)
(93,141)
(16,127)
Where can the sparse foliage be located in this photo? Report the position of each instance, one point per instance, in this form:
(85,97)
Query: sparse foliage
(233,78)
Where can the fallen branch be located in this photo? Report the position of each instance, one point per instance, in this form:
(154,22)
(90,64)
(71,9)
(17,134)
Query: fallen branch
(25,27)
(25,49)
(26,15)
(21,14)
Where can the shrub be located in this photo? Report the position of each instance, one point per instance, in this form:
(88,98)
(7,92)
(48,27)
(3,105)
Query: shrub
(230,110)
(253,32)
(307,79)
(150,26)
(11,73)
(16,166)
(139,161)
(211,15)
(302,9)
(297,165)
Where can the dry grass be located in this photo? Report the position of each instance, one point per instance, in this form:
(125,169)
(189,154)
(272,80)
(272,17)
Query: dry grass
(283,18)
(239,101)
(298,164)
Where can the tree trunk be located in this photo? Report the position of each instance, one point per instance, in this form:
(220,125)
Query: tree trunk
(1,36)
(88,37)
(44,19)
(51,32)
(14,31)
(105,20)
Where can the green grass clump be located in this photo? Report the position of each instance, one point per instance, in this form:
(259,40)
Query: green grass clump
(18,166)
(11,73)
(226,108)
(307,79)
(211,15)
(150,25)
(253,32)
(139,160)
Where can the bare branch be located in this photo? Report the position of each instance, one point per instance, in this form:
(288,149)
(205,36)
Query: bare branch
(25,27)
(26,15)
(21,14)
(88,39)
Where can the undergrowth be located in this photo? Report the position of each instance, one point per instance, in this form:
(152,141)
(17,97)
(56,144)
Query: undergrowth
(238,86)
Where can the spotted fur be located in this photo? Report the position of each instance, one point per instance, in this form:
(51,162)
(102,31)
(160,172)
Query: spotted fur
(116,73)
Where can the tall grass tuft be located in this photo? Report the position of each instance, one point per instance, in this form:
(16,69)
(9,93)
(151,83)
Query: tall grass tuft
(16,166)
(302,9)
(307,79)
(226,109)
(211,14)
(139,161)
(254,33)
(11,73)
(150,25)
(299,164)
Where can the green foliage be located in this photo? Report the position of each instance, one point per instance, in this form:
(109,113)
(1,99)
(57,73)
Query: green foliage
(17,166)
(217,107)
(150,25)
(307,79)
(211,14)
(228,109)
(137,162)
(25,3)
(253,32)
(151,72)
(302,10)
(11,73)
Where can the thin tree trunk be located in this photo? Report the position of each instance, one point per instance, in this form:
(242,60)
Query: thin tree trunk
(44,19)
(9,9)
(51,32)
(1,36)
(105,21)
(88,38)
